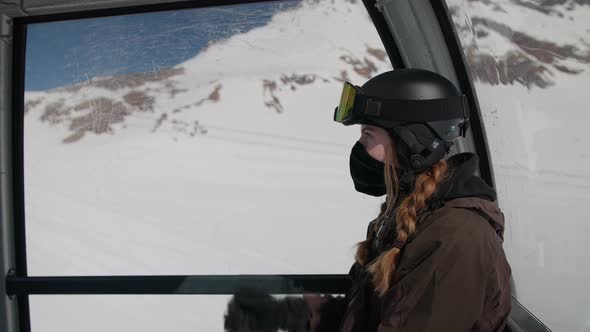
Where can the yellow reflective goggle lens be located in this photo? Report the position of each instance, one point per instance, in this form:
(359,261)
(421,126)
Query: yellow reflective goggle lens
(346,102)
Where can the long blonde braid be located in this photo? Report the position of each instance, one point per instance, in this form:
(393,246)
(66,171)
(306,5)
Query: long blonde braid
(408,212)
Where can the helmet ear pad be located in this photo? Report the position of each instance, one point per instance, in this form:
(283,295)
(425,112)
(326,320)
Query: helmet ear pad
(402,151)
(417,146)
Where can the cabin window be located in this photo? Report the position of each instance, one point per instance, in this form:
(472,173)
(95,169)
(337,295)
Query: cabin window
(127,313)
(530,66)
(191,142)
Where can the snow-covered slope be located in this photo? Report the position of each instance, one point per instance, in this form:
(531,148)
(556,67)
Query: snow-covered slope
(531,65)
(228,163)
(314,45)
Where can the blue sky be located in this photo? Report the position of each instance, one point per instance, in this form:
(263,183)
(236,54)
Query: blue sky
(66,52)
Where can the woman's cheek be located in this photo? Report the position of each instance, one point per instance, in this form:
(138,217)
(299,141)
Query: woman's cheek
(377,152)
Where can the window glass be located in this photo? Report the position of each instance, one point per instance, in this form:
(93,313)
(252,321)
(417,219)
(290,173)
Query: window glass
(146,313)
(196,141)
(530,65)
(117,313)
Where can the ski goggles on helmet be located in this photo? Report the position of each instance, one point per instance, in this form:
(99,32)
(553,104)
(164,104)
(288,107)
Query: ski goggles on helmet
(358,108)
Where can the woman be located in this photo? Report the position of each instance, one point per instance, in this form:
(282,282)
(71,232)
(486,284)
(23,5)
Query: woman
(433,258)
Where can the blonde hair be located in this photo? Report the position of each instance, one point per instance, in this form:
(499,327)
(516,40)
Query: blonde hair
(426,183)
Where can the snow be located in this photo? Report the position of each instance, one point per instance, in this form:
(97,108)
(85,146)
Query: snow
(541,171)
(146,313)
(571,27)
(538,141)
(261,192)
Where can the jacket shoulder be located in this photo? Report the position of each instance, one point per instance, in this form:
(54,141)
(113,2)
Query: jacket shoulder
(458,225)
(449,233)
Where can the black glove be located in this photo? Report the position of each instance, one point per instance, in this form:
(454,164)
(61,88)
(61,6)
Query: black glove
(252,310)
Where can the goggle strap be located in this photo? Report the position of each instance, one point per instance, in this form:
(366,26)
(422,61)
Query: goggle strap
(412,110)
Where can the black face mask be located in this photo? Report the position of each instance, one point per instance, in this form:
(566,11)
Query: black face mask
(368,173)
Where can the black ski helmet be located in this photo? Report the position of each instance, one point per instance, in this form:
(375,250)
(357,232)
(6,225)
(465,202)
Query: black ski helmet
(419,144)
